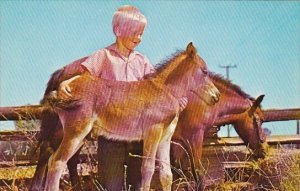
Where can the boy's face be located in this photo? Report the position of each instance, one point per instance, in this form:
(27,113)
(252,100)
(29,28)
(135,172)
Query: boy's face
(132,39)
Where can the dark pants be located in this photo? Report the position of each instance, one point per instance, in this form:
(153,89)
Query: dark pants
(112,156)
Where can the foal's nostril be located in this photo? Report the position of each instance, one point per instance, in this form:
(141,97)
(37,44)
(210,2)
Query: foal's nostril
(217,97)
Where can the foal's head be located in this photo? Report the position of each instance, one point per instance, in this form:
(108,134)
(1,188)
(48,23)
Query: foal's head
(191,75)
(249,127)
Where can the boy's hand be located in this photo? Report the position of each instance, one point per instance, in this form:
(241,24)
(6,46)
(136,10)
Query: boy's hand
(182,103)
(64,90)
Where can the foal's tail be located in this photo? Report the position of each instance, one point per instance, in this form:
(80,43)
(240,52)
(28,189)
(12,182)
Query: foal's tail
(49,118)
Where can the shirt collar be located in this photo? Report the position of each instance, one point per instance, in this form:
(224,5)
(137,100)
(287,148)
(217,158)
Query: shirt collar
(113,47)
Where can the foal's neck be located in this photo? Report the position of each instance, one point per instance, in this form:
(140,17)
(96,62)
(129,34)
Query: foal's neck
(233,101)
(175,76)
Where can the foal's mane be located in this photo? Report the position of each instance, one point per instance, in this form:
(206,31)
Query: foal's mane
(229,84)
(161,66)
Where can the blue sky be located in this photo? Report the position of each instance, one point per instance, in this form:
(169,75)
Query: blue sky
(261,37)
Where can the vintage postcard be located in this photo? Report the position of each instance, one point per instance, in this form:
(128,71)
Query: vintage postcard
(149,95)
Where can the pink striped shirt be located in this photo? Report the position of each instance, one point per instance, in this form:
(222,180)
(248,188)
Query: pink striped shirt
(108,63)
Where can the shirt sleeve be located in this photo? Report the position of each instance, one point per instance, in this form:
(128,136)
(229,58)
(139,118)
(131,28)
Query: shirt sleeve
(149,68)
(94,63)
(74,68)
(67,72)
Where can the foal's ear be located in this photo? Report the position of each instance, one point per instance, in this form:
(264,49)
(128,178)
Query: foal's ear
(190,49)
(256,104)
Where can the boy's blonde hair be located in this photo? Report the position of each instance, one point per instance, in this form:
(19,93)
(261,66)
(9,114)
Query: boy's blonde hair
(127,18)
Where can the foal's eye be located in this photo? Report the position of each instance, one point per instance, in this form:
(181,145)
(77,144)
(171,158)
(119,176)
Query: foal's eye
(205,72)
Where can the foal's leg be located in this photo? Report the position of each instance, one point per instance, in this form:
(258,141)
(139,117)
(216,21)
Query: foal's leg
(49,141)
(163,157)
(196,143)
(72,167)
(41,168)
(74,133)
(151,141)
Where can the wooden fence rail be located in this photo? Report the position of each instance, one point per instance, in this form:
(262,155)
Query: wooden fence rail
(21,112)
(35,111)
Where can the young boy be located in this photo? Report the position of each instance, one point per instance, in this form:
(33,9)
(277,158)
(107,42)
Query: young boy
(120,62)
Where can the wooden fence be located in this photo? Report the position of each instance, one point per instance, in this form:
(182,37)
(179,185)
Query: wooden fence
(33,112)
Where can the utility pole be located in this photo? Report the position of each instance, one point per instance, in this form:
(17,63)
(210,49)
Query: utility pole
(298,128)
(227,68)
(298,132)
